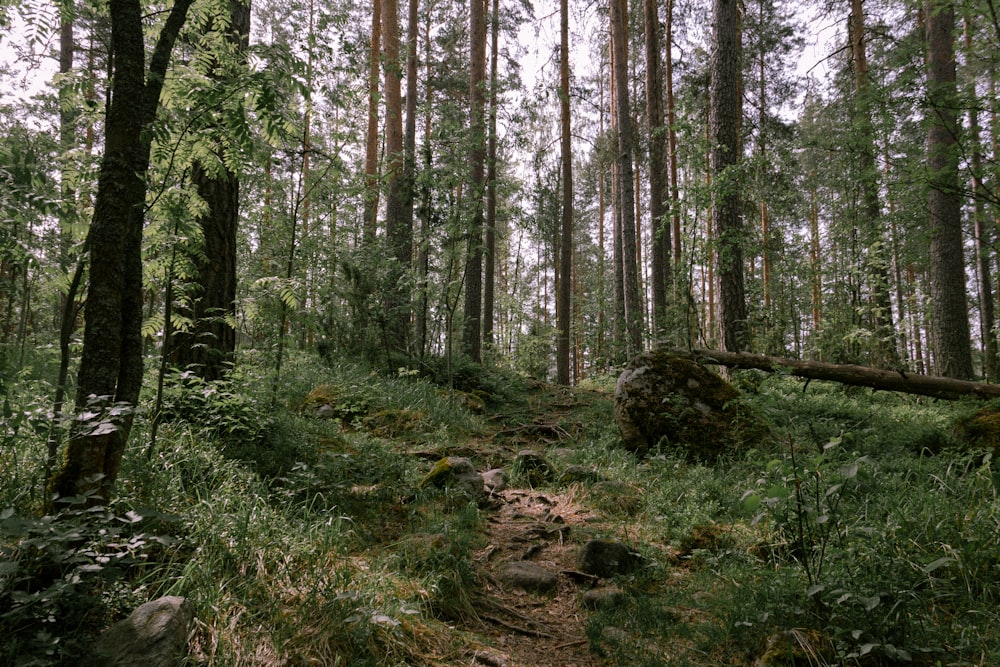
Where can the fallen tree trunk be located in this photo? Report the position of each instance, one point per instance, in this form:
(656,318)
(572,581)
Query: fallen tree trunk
(910,383)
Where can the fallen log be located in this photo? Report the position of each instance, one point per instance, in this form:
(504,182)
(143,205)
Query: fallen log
(863,376)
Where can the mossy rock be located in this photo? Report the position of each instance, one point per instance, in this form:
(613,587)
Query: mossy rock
(445,469)
(327,401)
(667,401)
(980,431)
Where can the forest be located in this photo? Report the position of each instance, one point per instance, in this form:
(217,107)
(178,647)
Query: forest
(267,268)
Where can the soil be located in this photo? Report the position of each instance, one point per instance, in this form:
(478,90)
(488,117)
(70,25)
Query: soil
(541,526)
(536,629)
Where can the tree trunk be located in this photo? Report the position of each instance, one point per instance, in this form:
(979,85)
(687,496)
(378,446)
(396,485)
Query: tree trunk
(489,291)
(672,137)
(399,231)
(110,375)
(472,329)
(370,223)
(981,231)
(563,303)
(724,121)
(209,346)
(659,185)
(884,349)
(423,243)
(947,262)
(626,189)
(910,383)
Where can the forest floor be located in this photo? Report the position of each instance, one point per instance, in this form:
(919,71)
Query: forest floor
(863,530)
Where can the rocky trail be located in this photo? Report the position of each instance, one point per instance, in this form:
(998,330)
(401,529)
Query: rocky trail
(536,597)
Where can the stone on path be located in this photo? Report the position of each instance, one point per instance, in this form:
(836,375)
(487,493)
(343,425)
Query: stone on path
(607,558)
(528,577)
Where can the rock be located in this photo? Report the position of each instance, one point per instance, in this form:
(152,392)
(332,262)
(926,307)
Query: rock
(495,480)
(528,577)
(663,399)
(615,636)
(326,412)
(604,597)
(487,659)
(574,474)
(796,647)
(154,635)
(532,467)
(980,431)
(455,472)
(607,558)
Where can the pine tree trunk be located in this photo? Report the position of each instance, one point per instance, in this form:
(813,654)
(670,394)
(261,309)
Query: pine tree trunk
(398,228)
(659,185)
(489,277)
(370,224)
(947,261)
(472,329)
(981,231)
(208,347)
(564,300)
(725,117)
(626,191)
(884,351)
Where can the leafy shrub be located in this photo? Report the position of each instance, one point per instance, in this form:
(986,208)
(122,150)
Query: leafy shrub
(60,580)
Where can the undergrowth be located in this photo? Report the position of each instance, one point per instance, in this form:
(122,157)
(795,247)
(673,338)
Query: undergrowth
(307,540)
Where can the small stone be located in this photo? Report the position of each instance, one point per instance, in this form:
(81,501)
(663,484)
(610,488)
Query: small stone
(574,473)
(528,577)
(532,466)
(604,597)
(607,558)
(495,480)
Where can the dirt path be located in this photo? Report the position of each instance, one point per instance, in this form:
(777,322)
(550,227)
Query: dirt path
(543,527)
(541,630)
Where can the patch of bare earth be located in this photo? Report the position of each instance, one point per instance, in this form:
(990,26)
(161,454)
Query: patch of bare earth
(535,629)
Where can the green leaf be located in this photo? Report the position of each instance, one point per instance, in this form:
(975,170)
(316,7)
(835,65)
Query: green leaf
(944,561)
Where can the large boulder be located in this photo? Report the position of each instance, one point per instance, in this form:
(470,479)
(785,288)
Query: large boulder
(154,635)
(665,400)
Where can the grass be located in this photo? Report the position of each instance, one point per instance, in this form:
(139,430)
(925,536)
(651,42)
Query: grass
(308,541)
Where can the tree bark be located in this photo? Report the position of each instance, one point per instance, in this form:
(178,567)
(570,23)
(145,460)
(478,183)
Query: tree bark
(472,329)
(724,122)
(209,346)
(947,262)
(626,188)
(370,223)
(489,277)
(399,230)
(659,184)
(909,383)
(109,379)
(563,305)
(981,230)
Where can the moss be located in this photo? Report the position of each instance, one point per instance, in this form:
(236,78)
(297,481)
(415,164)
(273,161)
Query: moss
(438,475)
(981,430)
(670,402)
